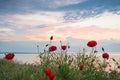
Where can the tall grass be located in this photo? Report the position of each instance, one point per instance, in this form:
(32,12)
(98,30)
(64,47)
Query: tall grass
(65,67)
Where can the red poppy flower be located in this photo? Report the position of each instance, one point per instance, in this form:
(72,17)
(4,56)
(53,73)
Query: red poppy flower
(105,55)
(92,43)
(48,71)
(81,67)
(51,76)
(52,48)
(51,38)
(63,47)
(9,56)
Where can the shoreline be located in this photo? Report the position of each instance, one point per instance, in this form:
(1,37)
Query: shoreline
(32,58)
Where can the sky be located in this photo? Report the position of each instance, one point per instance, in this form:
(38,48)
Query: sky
(27,23)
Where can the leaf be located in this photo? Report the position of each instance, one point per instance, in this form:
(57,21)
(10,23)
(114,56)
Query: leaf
(103,49)
(46,45)
(68,46)
(37,45)
(113,59)
(95,51)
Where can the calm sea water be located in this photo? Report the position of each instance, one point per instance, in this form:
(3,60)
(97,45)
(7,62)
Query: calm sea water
(34,57)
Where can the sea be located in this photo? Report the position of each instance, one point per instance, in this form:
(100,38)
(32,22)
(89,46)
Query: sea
(33,57)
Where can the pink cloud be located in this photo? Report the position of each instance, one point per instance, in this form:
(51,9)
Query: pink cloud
(91,32)
(39,34)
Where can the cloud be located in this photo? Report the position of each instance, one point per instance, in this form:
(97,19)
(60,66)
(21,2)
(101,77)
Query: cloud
(82,8)
(59,3)
(6,34)
(90,8)
(31,27)
(66,20)
(6,31)
(30,6)
(39,34)
(41,26)
(106,19)
(41,18)
(88,33)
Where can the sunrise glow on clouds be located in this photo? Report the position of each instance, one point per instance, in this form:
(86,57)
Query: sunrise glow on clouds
(78,19)
(33,26)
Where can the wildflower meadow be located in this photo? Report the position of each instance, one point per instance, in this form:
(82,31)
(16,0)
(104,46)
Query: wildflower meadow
(62,66)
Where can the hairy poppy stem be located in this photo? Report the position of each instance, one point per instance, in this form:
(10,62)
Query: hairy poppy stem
(38,49)
(91,51)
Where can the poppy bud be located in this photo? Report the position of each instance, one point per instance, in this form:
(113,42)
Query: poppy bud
(51,38)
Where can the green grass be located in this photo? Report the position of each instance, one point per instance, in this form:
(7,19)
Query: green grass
(65,67)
